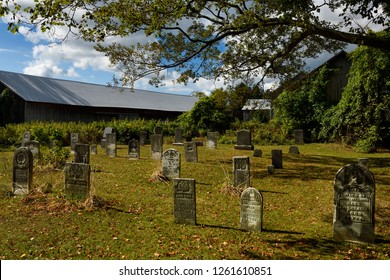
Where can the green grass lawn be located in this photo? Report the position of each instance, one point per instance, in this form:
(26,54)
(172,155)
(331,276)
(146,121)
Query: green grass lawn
(132,216)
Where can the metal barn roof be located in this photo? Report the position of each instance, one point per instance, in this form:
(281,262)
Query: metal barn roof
(49,90)
(257,104)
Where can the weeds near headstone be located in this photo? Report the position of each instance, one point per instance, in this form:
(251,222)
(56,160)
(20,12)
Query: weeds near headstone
(228,185)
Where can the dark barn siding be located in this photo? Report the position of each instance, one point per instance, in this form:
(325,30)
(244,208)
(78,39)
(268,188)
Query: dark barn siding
(339,79)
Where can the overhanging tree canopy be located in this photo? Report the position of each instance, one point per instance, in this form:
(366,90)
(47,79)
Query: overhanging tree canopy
(228,38)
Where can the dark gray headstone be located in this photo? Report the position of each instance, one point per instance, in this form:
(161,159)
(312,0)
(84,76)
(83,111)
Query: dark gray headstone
(74,139)
(271,169)
(354,204)
(244,140)
(143,137)
(171,164)
(133,149)
(257,153)
(178,135)
(251,214)
(77,180)
(156,146)
(158,130)
(111,144)
(298,136)
(22,174)
(277,159)
(93,149)
(241,171)
(82,153)
(212,140)
(191,152)
(293,150)
(363,162)
(184,201)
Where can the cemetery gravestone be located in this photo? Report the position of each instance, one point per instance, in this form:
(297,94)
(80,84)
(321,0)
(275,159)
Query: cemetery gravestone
(33,146)
(26,138)
(81,153)
(184,201)
(106,131)
(22,174)
(244,140)
(178,136)
(74,139)
(251,214)
(156,146)
(271,169)
(298,136)
(241,171)
(257,153)
(293,150)
(111,144)
(133,149)
(77,180)
(277,159)
(171,164)
(212,140)
(363,162)
(191,152)
(158,130)
(354,204)
(143,136)
(93,149)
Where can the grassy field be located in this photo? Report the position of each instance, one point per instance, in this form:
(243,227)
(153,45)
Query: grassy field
(131,216)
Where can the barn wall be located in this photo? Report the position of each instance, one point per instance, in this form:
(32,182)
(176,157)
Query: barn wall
(338,79)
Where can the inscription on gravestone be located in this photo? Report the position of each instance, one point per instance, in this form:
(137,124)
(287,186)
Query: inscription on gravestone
(156,146)
(191,152)
(111,144)
(77,180)
(354,204)
(277,159)
(81,153)
(212,140)
(184,201)
(251,215)
(244,140)
(241,171)
(22,174)
(133,149)
(171,164)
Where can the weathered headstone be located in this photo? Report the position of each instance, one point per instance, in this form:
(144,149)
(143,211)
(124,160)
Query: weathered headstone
(298,136)
(81,153)
(106,131)
(257,153)
(156,146)
(22,174)
(158,130)
(251,214)
(277,159)
(354,204)
(212,140)
(178,136)
(191,152)
(363,162)
(241,171)
(244,140)
(77,180)
(143,136)
(33,146)
(111,144)
(133,149)
(293,150)
(74,139)
(271,169)
(171,164)
(184,201)
(93,149)
(26,138)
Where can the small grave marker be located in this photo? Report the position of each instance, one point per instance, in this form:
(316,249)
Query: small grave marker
(298,136)
(241,171)
(171,164)
(156,146)
(111,144)
(74,139)
(82,153)
(277,159)
(251,215)
(22,174)
(184,201)
(244,140)
(77,180)
(293,150)
(212,140)
(133,149)
(191,152)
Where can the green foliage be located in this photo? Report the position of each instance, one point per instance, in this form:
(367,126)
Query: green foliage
(362,116)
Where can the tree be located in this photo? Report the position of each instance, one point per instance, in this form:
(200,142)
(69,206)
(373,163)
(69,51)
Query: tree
(233,39)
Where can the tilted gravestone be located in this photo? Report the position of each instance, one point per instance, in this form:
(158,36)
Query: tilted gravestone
(354,204)
(133,149)
(184,201)
(178,136)
(74,139)
(277,159)
(251,214)
(156,146)
(244,140)
(298,136)
(241,171)
(293,150)
(77,180)
(111,144)
(212,140)
(82,153)
(143,136)
(171,164)
(22,174)
(191,152)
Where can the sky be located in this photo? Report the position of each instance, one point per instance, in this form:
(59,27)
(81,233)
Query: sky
(33,53)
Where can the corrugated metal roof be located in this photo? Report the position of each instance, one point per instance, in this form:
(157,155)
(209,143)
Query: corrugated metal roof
(257,104)
(49,90)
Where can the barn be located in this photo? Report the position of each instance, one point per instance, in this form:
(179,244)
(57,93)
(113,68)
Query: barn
(27,98)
